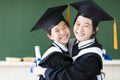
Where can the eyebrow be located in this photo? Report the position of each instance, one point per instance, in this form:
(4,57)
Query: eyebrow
(89,24)
(85,23)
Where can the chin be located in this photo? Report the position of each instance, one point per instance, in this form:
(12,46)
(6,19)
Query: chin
(65,41)
(80,39)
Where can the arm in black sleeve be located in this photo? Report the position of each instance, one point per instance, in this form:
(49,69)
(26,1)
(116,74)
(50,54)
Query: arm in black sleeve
(83,68)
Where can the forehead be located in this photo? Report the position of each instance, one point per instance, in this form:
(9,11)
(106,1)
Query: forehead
(59,25)
(83,19)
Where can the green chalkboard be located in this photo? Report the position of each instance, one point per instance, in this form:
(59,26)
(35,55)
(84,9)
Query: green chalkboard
(18,16)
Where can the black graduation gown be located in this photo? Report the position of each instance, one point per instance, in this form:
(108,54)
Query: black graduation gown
(85,67)
(56,60)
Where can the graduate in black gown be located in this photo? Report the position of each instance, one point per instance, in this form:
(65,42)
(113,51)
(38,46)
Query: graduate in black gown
(86,50)
(58,30)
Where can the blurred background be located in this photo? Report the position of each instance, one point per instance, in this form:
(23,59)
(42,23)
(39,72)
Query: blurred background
(17,17)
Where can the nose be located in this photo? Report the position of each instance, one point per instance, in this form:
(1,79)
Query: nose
(62,32)
(80,28)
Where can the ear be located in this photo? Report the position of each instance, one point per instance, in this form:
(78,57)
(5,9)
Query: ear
(97,28)
(49,36)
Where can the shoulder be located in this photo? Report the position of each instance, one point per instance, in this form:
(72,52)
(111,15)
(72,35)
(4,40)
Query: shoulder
(95,50)
(50,51)
(86,51)
(72,41)
(70,45)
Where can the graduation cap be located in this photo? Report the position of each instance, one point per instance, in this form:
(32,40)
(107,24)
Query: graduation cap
(50,18)
(90,9)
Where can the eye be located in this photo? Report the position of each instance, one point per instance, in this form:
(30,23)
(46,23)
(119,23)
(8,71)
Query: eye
(56,30)
(78,24)
(65,26)
(87,25)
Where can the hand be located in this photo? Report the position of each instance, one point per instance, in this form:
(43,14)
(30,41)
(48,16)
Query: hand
(39,71)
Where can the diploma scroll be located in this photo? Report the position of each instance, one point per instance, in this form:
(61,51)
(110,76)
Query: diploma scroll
(38,55)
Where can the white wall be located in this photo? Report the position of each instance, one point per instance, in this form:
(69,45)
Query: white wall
(21,70)
(112,70)
(16,71)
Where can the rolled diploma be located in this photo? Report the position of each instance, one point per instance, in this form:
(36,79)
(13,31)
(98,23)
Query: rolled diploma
(38,55)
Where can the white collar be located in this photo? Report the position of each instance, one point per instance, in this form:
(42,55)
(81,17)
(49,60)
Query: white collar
(86,43)
(61,46)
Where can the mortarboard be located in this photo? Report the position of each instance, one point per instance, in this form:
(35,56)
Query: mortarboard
(50,18)
(91,10)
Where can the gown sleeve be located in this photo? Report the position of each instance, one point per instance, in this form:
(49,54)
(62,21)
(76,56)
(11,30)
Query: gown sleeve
(56,60)
(85,67)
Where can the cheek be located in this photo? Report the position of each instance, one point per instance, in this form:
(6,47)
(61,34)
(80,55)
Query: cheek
(56,37)
(69,33)
(53,36)
(89,32)
(67,30)
(74,28)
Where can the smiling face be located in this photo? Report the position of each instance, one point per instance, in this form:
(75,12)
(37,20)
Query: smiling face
(60,33)
(83,28)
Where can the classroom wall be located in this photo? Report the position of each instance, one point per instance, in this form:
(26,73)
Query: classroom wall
(17,17)
(22,70)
